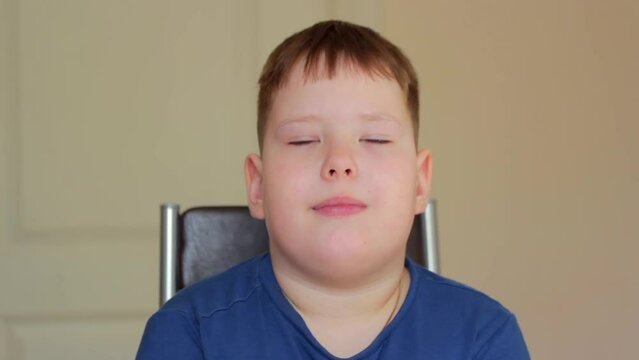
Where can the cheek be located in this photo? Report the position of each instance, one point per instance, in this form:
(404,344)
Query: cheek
(285,182)
(390,176)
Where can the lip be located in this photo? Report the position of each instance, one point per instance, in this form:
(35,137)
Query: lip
(340,206)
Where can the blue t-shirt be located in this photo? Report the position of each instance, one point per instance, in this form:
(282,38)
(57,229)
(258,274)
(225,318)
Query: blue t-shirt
(242,314)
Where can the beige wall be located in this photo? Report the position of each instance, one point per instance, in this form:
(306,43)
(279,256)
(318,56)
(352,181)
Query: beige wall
(109,108)
(530,108)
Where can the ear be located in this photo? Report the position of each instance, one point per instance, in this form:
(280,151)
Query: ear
(254,188)
(424,173)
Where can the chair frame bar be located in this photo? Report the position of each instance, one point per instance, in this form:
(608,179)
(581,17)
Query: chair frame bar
(429,229)
(169,225)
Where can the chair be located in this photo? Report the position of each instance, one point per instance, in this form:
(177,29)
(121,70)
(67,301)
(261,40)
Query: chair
(204,241)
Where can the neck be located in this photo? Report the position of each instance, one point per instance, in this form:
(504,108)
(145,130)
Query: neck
(379,297)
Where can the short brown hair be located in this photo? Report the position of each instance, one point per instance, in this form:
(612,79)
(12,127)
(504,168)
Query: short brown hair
(333,43)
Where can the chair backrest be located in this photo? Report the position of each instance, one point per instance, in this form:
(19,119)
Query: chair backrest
(216,238)
(205,241)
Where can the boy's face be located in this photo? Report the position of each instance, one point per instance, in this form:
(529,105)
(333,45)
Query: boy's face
(339,180)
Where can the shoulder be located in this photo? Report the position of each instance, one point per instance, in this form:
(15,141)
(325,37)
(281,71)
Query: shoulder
(450,294)
(459,310)
(217,293)
(174,331)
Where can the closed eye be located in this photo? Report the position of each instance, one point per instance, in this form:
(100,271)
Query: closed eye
(376,141)
(301,142)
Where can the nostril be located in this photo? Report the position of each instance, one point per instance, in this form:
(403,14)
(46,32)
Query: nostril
(333,172)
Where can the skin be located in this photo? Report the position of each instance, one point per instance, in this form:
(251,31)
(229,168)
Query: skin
(338,183)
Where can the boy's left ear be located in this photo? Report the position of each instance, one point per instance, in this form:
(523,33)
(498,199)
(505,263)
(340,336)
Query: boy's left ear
(424,174)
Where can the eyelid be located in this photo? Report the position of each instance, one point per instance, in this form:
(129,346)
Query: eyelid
(302,140)
(376,139)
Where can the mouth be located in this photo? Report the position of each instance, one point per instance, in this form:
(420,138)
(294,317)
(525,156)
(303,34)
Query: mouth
(339,206)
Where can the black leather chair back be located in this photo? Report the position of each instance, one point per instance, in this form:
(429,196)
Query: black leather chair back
(216,238)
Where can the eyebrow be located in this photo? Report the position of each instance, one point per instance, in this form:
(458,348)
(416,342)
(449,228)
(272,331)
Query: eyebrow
(292,122)
(380,116)
(298,120)
(307,119)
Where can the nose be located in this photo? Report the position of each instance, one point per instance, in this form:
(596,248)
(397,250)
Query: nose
(339,164)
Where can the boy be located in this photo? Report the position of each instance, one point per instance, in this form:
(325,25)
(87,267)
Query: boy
(338,182)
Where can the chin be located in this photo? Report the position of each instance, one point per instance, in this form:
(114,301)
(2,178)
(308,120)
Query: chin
(354,261)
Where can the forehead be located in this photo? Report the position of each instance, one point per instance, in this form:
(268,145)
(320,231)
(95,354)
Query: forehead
(305,71)
(318,93)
